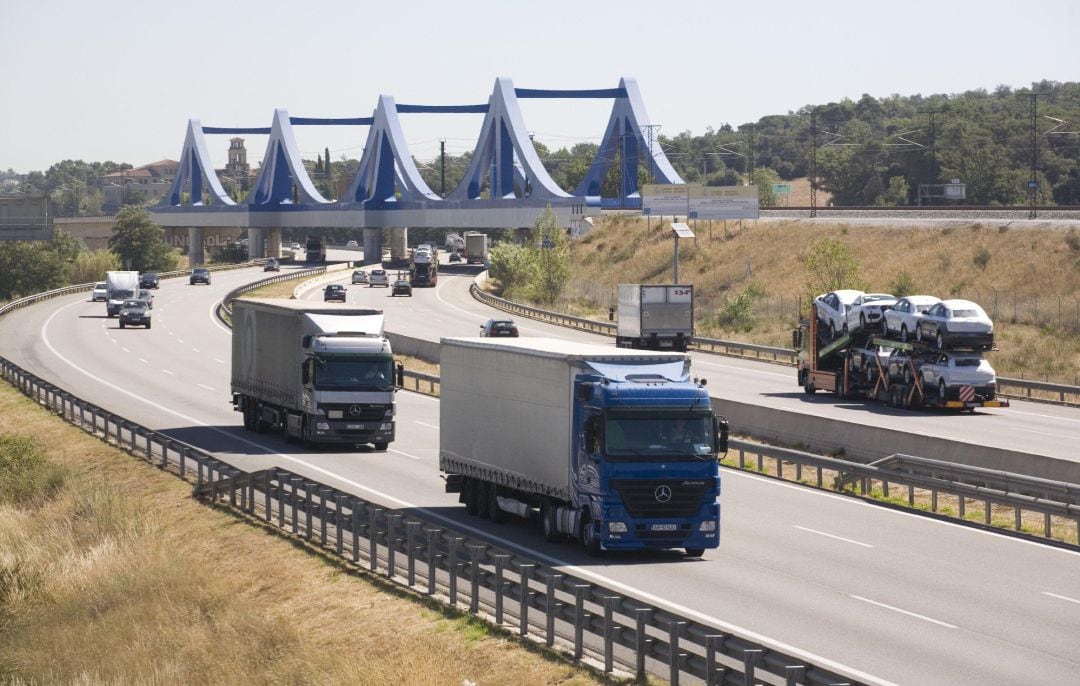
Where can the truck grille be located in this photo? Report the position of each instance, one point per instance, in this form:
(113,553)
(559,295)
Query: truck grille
(662,498)
(359,412)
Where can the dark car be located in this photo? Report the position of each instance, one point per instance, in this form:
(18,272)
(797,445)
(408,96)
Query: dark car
(499,327)
(135,313)
(334,291)
(455,257)
(402,287)
(148,280)
(271,265)
(199,275)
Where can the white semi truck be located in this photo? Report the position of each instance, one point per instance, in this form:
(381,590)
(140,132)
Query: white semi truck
(615,448)
(318,373)
(655,317)
(120,286)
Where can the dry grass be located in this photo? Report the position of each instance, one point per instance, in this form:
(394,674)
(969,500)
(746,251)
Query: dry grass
(120,577)
(729,257)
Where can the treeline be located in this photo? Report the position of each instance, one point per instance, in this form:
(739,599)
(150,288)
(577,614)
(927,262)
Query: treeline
(877,151)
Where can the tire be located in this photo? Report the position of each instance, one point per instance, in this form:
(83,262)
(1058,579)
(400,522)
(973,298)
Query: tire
(918,334)
(808,386)
(480,495)
(903,333)
(870,376)
(548,522)
(148,325)
(382,446)
(907,374)
(862,322)
(468,493)
(249,419)
(695,552)
(940,340)
(941,390)
(494,513)
(845,329)
(305,438)
(285,436)
(589,539)
(121,325)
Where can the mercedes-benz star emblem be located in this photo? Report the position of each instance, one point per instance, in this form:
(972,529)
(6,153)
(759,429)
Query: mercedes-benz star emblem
(355,410)
(662,494)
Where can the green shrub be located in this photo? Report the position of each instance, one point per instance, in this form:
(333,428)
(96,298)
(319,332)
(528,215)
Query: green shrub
(25,474)
(737,313)
(982,258)
(903,285)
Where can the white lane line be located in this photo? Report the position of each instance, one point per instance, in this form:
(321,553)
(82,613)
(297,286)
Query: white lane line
(431,426)
(170,333)
(1009,410)
(466,528)
(833,536)
(217,322)
(125,350)
(202,385)
(196,350)
(1061,597)
(113,341)
(399,452)
(179,340)
(143,360)
(906,612)
(168,372)
(219,361)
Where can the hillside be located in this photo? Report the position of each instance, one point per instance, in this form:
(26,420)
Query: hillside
(1027,279)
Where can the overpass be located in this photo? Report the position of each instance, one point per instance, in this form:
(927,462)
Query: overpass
(506,184)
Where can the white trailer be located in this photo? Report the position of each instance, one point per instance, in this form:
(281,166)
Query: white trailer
(655,317)
(318,372)
(120,286)
(476,247)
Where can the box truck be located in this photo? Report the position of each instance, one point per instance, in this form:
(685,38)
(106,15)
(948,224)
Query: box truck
(476,247)
(120,286)
(615,448)
(655,317)
(315,372)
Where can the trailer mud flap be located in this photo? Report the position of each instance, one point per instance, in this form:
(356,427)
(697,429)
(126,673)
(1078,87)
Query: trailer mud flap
(453,483)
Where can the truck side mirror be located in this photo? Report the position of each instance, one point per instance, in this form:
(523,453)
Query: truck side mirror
(721,434)
(305,373)
(796,339)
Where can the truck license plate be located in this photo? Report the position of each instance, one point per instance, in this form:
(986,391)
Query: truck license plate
(664,527)
(356,427)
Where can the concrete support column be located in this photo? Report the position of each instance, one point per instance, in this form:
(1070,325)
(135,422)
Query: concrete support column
(399,246)
(273,243)
(256,248)
(372,246)
(195,239)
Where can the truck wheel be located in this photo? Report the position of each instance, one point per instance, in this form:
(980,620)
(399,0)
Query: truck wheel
(903,333)
(808,385)
(695,552)
(249,418)
(549,526)
(480,495)
(589,538)
(472,497)
(940,340)
(381,445)
(941,390)
(285,436)
(121,325)
(494,513)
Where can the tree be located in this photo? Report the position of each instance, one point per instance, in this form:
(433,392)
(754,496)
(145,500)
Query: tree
(830,266)
(551,258)
(91,266)
(509,264)
(764,179)
(139,242)
(28,267)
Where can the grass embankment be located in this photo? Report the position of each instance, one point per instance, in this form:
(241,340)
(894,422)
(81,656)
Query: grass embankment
(111,573)
(1028,279)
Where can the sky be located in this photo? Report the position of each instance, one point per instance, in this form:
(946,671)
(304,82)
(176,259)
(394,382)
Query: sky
(108,80)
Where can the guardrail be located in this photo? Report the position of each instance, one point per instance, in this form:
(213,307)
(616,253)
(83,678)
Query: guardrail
(224,310)
(1067,395)
(505,587)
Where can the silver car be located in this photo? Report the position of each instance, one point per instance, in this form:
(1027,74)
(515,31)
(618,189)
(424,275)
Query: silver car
(956,324)
(902,319)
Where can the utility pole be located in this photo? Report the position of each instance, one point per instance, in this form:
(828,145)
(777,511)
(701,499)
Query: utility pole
(442,167)
(649,138)
(813,163)
(750,155)
(1033,183)
(933,156)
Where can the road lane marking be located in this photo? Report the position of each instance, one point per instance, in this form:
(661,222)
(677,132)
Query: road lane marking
(1061,597)
(168,372)
(432,426)
(202,385)
(834,536)
(196,350)
(179,340)
(170,333)
(400,452)
(125,350)
(219,361)
(143,360)
(113,341)
(905,612)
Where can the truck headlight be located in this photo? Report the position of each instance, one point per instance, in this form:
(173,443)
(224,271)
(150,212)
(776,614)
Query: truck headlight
(616,527)
(386,426)
(322,426)
(707,525)
(389,414)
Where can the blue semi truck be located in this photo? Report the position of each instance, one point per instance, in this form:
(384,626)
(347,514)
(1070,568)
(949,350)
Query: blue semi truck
(614,448)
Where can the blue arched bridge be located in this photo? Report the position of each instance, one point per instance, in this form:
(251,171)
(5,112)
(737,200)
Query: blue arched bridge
(506,185)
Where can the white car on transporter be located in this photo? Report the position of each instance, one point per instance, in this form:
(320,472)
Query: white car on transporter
(832,309)
(868,311)
(902,319)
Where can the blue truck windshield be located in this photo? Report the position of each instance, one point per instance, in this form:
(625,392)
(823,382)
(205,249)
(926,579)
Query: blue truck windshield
(353,372)
(630,437)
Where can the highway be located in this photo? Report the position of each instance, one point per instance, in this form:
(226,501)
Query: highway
(897,597)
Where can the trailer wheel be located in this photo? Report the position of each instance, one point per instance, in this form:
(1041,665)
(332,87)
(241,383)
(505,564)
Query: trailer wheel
(495,514)
(249,417)
(940,341)
(808,385)
(382,445)
(941,390)
(695,552)
(589,538)
(549,525)
(285,436)
(468,493)
(903,333)
(907,374)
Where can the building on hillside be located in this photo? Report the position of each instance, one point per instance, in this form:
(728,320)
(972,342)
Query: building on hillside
(148,183)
